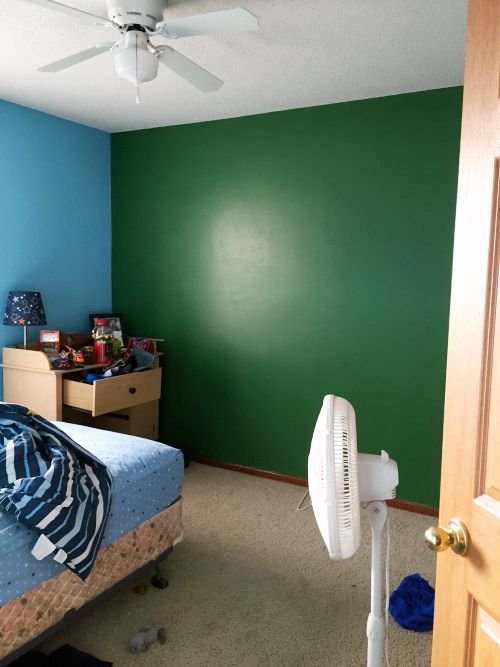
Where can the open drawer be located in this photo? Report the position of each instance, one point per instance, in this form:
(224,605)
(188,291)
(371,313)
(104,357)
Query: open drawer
(115,393)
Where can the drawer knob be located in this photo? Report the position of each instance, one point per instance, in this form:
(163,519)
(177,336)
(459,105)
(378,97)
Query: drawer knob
(132,390)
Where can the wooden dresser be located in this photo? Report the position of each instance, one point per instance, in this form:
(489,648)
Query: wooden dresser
(126,404)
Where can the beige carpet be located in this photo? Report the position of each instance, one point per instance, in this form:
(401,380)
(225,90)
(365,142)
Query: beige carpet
(252,586)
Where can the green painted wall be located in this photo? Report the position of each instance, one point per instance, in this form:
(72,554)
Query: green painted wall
(290,255)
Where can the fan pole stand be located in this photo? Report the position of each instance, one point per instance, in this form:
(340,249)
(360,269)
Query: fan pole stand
(375,628)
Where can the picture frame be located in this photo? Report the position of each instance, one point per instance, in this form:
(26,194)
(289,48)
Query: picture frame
(50,342)
(115,320)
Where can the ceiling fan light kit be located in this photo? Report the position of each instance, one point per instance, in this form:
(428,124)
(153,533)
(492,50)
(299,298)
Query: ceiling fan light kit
(137,59)
(135,62)
(340,482)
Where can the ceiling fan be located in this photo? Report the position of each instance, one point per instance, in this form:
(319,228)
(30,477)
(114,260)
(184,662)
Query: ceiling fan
(136,59)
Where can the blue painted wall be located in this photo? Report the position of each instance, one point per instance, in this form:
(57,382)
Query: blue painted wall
(55,217)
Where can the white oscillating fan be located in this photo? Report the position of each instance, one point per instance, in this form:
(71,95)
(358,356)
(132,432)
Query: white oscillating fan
(340,480)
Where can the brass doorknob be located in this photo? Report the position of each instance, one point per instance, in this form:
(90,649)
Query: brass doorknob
(455,536)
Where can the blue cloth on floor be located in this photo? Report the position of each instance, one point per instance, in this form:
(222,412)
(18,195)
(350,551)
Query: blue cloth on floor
(412,604)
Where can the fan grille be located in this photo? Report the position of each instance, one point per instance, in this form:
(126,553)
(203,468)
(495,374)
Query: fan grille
(333,477)
(346,476)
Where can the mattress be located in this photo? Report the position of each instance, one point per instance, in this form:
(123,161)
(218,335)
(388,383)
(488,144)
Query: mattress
(147,478)
(24,618)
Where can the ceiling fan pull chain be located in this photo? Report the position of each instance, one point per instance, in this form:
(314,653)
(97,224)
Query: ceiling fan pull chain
(137,99)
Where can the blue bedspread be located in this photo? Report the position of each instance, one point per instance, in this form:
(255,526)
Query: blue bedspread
(147,476)
(54,487)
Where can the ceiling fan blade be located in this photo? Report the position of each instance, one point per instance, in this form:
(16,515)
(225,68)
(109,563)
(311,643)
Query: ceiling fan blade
(189,70)
(76,58)
(230,20)
(71,11)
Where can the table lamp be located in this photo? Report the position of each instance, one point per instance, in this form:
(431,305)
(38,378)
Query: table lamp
(24,309)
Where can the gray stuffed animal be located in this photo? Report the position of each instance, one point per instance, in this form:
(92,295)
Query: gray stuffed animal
(141,640)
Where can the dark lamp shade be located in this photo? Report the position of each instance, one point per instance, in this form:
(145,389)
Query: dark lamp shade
(24,309)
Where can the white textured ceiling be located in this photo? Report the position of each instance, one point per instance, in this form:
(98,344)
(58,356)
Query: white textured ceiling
(307,52)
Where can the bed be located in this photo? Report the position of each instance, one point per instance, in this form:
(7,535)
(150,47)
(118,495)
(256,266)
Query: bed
(38,597)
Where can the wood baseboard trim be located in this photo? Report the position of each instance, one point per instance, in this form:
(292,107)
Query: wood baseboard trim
(300,481)
(288,479)
(413,507)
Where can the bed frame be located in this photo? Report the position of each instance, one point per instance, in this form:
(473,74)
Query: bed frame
(75,614)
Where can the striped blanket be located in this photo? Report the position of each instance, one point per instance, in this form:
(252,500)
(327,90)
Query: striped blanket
(54,487)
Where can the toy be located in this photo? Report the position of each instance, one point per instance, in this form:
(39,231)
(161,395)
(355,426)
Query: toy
(117,348)
(62,361)
(88,354)
(77,355)
(141,640)
(75,340)
(148,344)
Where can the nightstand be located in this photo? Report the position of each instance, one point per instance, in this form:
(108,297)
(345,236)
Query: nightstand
(126,404)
